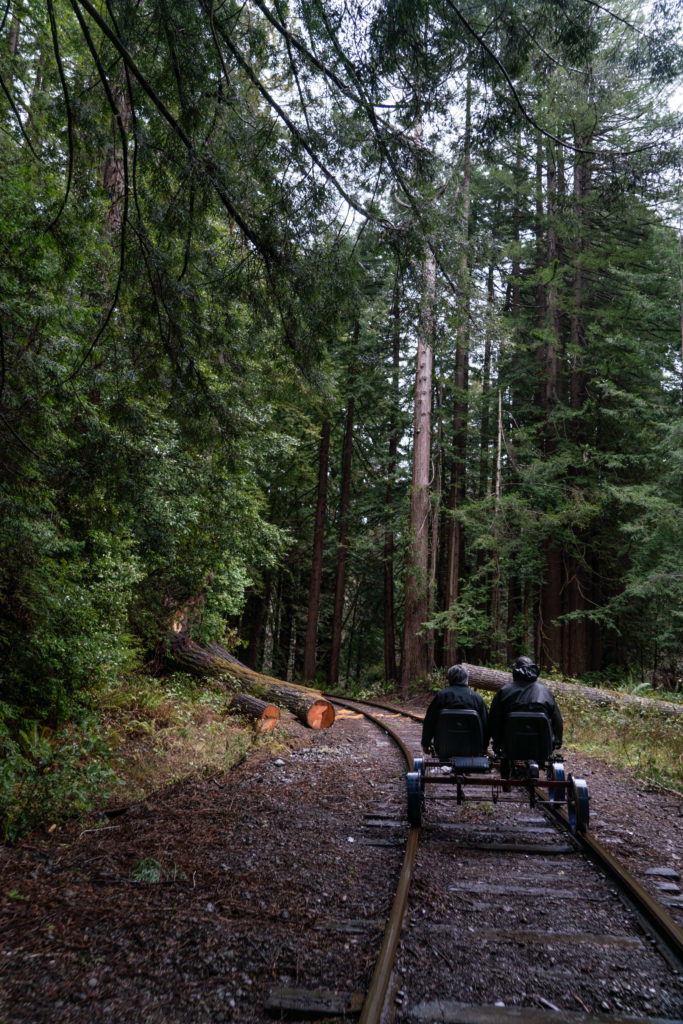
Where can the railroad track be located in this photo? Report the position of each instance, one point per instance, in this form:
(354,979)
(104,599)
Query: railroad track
(501,913)
(275,899)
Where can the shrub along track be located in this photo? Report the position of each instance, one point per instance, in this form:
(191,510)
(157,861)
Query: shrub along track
(273,888)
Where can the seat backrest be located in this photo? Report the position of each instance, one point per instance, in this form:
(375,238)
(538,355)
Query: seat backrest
(527,736)
(458,733)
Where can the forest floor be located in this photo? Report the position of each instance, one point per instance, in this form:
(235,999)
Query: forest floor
(195,902)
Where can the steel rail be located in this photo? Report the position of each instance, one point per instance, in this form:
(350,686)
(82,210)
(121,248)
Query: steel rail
(377,990)
(653,915)
(378,704)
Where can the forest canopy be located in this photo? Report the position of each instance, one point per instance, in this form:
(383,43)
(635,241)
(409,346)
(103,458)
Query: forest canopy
(347,334)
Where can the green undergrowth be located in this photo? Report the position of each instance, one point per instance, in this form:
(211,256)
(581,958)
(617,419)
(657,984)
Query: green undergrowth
(126,745)
(643,739)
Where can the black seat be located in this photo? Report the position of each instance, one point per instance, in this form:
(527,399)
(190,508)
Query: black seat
(527,736)
(459,739)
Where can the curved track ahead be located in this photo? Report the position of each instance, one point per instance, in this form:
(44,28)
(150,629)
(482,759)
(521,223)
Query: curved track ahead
(512,832)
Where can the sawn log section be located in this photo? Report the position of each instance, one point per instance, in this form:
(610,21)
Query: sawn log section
(212,660)
(264,716)
(492,679)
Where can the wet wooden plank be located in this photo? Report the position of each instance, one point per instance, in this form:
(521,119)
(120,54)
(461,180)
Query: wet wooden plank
(536,892)
(546,939)
(317,1002)
(448,1012)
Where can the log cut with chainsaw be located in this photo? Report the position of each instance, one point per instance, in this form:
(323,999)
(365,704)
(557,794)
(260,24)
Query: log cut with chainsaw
(211,660)
(264,716)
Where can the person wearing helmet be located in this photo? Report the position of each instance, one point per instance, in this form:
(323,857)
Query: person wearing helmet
(456,695)
(524,693)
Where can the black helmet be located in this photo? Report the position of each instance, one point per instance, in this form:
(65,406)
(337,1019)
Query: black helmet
(457,674)
(524,670)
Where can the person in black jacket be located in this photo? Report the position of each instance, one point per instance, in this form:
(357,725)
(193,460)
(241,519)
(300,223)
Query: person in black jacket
(524,693)
(456,695)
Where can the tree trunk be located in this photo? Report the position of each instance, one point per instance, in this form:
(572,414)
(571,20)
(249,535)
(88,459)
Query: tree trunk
(491,679)
(456,539)
(333,675)
(285,628)
(680,294)
(435,520)
(317,567)
(214,662)
(553,367)
(414,661)
(390,673)
(576,645)
(551,640)
(549,631)
(252,624)
(484,440)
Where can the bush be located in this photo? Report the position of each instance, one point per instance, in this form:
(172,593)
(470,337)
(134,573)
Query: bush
(48,776)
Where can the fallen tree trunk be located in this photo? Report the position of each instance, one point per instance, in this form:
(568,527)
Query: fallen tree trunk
(309,706)
(265,716)
(492,679)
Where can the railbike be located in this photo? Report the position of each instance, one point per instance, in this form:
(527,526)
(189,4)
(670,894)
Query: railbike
(526,763)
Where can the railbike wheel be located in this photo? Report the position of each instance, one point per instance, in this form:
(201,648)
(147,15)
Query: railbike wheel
(419,766)
(577,804)
(556,794)
(414,794)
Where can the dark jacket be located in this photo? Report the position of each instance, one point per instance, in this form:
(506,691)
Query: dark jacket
(457,696)
(523,696)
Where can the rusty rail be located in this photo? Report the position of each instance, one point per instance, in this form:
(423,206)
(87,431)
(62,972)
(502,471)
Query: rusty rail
(377,990)
(657,921)
(652,915)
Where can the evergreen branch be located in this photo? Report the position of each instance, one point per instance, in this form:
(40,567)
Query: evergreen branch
(2,361)
(501,67)
(296,133)
(295,41)
(617,17)
(19,438)
(217,42)
(167,25)
(368,106)
(291,39)
(209,164)
(115,40)
(16,113)
(111,99)
(553,60)
(295,72)
(522,109)
(188,241)
(69,119)
(8,5)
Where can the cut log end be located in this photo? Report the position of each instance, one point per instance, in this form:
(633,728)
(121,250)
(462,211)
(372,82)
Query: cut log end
(268,720)
(320,715)
(265,716)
